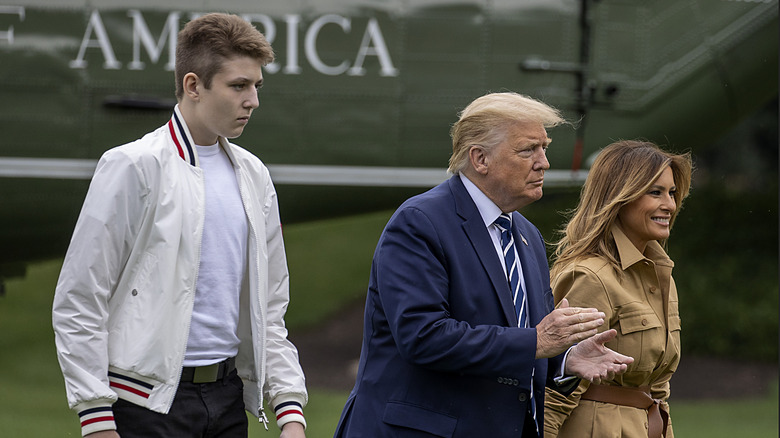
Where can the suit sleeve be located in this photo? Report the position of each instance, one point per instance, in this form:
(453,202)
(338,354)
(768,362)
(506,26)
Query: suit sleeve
(414,286)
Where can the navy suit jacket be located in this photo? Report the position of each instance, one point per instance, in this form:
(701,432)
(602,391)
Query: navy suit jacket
(442,354)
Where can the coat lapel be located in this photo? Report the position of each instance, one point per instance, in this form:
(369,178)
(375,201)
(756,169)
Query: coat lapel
(478,235)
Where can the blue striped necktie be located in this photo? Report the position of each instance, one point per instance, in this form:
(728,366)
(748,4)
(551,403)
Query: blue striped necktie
(504,224)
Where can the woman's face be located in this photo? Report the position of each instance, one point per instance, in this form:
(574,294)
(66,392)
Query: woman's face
(648,217)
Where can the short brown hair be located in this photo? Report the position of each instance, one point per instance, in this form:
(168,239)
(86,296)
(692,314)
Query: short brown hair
(207,41)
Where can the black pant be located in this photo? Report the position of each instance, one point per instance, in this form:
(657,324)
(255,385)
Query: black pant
(199,410)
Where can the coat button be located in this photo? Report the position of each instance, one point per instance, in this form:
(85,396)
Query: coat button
(134,292)
(652,289)
(644,322)
(523,397)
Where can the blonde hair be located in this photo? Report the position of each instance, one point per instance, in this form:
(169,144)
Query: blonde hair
(484,122)
(206,42)
(622,173)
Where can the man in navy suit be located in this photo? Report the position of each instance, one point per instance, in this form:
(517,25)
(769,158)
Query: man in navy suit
(446,352)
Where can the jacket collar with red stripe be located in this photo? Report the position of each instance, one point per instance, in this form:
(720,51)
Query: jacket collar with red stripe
(182,139)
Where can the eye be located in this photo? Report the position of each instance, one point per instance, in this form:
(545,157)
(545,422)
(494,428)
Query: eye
(238,87)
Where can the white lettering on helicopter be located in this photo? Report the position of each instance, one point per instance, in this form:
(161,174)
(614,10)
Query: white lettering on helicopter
(8,34)
(371,44)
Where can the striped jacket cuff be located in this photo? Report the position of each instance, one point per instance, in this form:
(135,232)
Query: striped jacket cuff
(288,409)
(95,417)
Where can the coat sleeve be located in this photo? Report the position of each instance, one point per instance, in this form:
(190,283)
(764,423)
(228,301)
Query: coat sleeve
(582,288)
(284,384)
(99,248)
(413,285)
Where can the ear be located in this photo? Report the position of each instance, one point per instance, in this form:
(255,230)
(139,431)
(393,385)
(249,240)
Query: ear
(478,158)
(190,84)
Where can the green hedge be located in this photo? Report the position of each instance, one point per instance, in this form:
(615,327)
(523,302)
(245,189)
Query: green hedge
(726,267)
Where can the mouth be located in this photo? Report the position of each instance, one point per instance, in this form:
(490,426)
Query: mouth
(661,220)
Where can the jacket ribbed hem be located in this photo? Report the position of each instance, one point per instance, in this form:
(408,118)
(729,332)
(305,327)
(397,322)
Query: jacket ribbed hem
(289,408)
(96,417)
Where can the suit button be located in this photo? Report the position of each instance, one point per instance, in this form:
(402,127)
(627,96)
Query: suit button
(652,289)
(644,322)
(523,397)
(134,292)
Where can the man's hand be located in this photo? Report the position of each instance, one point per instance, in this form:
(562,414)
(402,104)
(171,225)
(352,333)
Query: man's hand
(103,434)
(293,429)
(591,360)
(564,327)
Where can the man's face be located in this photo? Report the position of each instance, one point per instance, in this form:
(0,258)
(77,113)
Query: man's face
(224,108)
(514,170)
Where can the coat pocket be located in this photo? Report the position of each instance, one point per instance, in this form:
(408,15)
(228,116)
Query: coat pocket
(638,322)
(642,337)
(419,418)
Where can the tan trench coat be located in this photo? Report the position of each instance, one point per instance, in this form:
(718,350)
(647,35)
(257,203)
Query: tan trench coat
(643,308)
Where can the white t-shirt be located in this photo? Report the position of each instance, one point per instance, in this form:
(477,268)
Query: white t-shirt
(213,330)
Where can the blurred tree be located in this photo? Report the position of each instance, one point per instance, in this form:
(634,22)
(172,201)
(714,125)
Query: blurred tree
(725,244)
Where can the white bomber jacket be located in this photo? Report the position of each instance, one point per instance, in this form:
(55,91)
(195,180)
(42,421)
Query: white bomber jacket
(124,299)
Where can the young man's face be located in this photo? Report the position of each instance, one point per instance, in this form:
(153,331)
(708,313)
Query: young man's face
(224,108)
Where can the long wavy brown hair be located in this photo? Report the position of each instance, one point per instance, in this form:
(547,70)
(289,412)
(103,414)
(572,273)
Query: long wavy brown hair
(622,173)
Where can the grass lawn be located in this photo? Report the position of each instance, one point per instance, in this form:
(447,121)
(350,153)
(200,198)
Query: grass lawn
(336,256)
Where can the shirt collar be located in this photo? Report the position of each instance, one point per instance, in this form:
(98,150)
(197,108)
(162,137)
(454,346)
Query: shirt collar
(629,255)
(487,208)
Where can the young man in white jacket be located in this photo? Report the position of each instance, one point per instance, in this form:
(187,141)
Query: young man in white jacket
(169,310)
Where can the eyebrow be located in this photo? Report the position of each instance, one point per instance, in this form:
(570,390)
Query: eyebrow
(532,142)
(244,80)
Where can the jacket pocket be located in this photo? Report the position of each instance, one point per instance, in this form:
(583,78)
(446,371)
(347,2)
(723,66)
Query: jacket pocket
(638,322)
(419,418)
(641,337)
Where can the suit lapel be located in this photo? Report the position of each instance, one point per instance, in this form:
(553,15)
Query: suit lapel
(478,235)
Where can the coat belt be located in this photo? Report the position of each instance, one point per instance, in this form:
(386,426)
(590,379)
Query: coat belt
(635,397)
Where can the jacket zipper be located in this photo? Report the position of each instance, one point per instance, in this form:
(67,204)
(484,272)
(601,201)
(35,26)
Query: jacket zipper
(257,299)
(196,264)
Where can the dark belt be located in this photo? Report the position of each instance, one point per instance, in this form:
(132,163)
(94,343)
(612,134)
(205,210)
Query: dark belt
(209,373)
(640,398)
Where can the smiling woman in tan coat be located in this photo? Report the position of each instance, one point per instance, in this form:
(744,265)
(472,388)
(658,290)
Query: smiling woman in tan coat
(611,258)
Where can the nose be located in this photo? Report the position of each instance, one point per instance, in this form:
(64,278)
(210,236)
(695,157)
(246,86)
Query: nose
(541,163)
(253,100)
(669,204)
